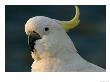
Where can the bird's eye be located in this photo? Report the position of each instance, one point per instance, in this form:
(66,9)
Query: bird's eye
(46,28)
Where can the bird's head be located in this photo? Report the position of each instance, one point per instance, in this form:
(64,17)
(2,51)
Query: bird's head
(41,29)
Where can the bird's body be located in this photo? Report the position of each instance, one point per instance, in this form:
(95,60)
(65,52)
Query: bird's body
(54,51)
(56,65)
(62,58)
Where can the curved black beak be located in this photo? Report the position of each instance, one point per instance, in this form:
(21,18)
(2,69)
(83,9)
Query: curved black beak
(31,40)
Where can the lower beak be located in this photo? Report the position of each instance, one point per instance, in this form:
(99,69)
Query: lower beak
(31,40)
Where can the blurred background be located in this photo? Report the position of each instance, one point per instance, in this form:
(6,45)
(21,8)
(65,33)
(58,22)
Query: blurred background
(89,36)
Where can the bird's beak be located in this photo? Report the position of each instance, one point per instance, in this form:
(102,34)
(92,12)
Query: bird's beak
(31,40)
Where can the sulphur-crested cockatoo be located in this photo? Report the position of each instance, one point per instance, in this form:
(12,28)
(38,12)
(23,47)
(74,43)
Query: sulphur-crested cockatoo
(51,47)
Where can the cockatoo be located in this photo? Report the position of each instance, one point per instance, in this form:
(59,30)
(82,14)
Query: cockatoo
(51,47)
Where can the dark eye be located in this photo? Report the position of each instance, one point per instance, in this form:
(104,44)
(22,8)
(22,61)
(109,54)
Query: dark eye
(46,28)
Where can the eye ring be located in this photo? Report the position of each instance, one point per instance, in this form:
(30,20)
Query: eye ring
(46,28)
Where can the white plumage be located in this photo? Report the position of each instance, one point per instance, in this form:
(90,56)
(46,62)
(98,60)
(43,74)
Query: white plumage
(55,51)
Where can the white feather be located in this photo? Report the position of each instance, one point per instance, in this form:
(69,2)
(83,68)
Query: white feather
(56,51)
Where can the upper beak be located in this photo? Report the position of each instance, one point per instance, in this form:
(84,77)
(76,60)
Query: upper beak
(31,40)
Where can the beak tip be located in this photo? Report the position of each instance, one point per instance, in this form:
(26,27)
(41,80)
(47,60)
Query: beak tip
(31,46)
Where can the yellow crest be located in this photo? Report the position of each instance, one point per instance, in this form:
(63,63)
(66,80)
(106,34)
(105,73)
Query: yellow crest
(67,25)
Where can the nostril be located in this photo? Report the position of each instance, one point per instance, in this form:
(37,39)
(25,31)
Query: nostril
(34,32)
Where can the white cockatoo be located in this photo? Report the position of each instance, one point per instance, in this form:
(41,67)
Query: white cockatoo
(51,47)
